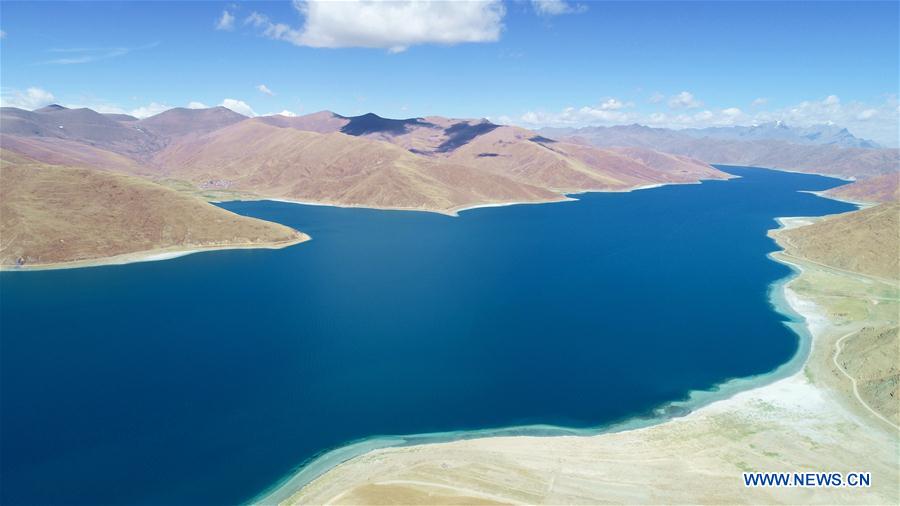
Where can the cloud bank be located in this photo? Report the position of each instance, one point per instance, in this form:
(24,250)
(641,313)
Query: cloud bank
(878,122)
(32,98)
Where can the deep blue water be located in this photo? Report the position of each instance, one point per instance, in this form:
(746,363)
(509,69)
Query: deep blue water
(205,379)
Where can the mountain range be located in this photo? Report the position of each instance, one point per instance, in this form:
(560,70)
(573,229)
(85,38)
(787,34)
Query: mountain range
(431,163)
(873,170)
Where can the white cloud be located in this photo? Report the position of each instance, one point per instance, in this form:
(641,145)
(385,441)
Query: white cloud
(262,88)
(77,55)
(867,114)
(656,98)
(32,98)
(759,102)
(392,25)
(556,7)
(225,21)
(150,109)
(2,34)
(684,100)
(197,105)
(238,106)
(613,104)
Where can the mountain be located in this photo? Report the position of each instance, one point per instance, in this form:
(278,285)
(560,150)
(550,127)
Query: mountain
(515,153)
(780,131)
(848,163)
(118,133)
(82,125)
(322,121)
(182,121)
(56,215)
(335,168)
(883,188)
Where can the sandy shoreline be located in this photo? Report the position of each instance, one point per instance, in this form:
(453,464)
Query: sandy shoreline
(353,468)
(149,256)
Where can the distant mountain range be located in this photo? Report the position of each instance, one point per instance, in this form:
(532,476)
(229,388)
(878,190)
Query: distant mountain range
(876,169)
(825,135)
(829,135)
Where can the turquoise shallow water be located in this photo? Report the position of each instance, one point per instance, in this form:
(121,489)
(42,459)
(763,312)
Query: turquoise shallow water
(206,379)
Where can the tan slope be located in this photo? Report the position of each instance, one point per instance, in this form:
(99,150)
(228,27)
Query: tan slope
(866,241)
(57,151)
(54,215)
(335,168)
(570,167)
(884,188)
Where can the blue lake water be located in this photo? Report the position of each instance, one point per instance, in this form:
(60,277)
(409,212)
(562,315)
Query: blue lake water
(206,379)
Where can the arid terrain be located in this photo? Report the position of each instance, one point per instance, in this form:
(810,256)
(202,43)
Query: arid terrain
(839,413)
(873,169)
(860,242)
(57,216)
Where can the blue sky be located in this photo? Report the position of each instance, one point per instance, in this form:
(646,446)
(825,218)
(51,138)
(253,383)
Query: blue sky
(689,64)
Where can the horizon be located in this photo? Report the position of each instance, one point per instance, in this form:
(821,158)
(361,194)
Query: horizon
(690,65)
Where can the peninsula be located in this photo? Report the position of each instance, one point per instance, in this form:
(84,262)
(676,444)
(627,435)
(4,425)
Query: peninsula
(54,216)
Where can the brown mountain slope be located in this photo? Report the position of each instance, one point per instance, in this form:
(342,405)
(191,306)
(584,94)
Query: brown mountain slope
(884,188)
(182,121)
(516,153)
(335,168)
(58,216)
(866,241)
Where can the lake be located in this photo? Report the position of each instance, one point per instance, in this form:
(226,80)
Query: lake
(206,379)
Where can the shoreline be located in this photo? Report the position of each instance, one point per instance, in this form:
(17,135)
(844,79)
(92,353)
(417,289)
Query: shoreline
(453,212)
(803,319)
(154,255)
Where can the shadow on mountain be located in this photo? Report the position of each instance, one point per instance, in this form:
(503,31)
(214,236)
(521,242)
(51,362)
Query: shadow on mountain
(461,133)
(372,123)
